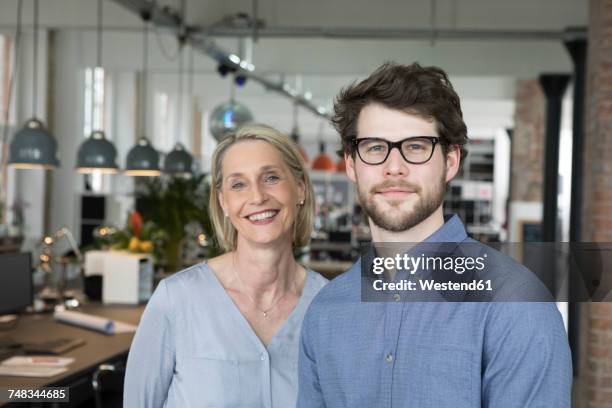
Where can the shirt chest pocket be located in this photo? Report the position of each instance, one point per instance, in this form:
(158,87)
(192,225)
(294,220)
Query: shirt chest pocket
(208,382)
(436,377)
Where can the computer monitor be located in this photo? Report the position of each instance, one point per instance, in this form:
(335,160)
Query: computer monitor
(16,290)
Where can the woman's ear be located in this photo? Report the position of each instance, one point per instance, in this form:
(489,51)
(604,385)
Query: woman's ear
(221,199)
(301,188)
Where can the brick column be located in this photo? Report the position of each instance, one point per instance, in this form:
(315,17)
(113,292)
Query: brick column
(596,356)
(528,142)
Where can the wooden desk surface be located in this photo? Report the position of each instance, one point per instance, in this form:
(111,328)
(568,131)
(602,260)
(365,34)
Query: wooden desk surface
(99,348)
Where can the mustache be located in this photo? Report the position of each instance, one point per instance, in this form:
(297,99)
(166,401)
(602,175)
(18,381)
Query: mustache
(393,184)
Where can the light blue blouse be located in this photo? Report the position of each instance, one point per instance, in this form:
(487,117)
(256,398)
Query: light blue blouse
(193,348)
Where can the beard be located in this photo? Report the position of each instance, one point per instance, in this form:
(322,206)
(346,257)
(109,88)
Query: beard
(397,219)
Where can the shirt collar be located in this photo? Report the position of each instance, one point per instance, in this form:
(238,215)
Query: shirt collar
(452,231)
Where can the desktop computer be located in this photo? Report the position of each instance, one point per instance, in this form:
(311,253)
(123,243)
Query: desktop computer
(16,289)
(16,293)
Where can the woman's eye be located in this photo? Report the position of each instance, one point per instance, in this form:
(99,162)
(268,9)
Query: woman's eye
(237,185)
(271,178)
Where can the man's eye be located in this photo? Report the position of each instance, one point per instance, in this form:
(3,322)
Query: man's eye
(415,146)
(376,148)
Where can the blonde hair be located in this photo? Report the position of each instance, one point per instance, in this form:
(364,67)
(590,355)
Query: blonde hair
(302,226)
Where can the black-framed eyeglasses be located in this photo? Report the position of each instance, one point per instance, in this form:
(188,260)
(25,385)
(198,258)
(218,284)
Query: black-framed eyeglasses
(415,150)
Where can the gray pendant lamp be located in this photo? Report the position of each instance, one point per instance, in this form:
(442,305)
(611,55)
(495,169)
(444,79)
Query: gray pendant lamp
(33,147)
(142,159)
(179,162)
(97,154)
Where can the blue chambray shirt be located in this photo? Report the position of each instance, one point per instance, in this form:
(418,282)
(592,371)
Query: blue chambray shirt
(431,354)
(193,348)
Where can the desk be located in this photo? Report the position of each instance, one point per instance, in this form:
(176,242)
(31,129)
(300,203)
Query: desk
(99,348)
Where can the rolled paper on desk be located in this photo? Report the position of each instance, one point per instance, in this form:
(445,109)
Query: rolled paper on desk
(86,321)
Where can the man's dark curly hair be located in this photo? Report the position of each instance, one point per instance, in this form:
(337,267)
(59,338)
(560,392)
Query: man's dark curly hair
(423,91)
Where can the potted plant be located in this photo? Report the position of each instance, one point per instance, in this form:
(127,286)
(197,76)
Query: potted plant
(172,203)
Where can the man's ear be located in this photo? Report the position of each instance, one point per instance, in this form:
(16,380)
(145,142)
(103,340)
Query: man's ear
(350,166)
(453,159)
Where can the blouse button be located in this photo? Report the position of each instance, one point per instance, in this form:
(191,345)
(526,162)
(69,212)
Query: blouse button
(262,356)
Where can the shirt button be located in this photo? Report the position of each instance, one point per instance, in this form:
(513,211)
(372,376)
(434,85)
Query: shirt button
(389,358)
(397,297)
(262,357)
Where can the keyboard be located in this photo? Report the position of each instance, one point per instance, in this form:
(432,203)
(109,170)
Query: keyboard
(55,346)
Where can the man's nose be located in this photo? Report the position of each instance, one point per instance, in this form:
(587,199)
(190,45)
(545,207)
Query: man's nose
(395,165)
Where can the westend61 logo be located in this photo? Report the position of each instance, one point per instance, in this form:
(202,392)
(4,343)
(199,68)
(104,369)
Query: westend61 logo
(412,264)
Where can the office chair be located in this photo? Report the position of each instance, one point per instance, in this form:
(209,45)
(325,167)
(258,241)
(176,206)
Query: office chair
(107,383)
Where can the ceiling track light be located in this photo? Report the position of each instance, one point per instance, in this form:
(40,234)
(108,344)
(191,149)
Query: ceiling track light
(163,16)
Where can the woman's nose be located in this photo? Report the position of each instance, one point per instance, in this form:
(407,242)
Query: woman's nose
(258,194)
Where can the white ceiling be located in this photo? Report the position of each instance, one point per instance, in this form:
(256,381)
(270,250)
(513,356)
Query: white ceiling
(484,71)
(472,14)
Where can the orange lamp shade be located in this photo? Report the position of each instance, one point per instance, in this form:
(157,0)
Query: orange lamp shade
(323,162)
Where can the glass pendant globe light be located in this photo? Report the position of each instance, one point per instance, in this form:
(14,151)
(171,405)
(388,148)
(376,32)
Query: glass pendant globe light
(228,117)
(33,147)
(97,154)
(142,159)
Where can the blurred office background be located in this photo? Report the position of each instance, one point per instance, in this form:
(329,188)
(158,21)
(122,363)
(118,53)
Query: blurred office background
(534,77)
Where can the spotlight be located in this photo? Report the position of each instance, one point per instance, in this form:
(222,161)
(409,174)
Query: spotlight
(223,70)
(240,80)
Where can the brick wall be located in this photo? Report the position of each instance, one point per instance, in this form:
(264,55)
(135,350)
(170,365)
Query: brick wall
(597,210)
(528,142)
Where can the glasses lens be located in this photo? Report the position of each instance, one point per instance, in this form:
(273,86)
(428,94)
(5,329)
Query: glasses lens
(372,151)
(417,149)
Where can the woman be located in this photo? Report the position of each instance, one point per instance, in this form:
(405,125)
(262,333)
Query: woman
(225,333)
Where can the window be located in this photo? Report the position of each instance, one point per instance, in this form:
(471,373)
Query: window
(97,101)
(94,83)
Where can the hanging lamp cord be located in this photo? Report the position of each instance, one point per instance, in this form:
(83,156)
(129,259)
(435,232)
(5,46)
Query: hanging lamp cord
(95,71)
(145,74)
(35,62)
(4,147)
(182,38)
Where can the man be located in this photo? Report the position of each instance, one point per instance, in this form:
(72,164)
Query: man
(403,138)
